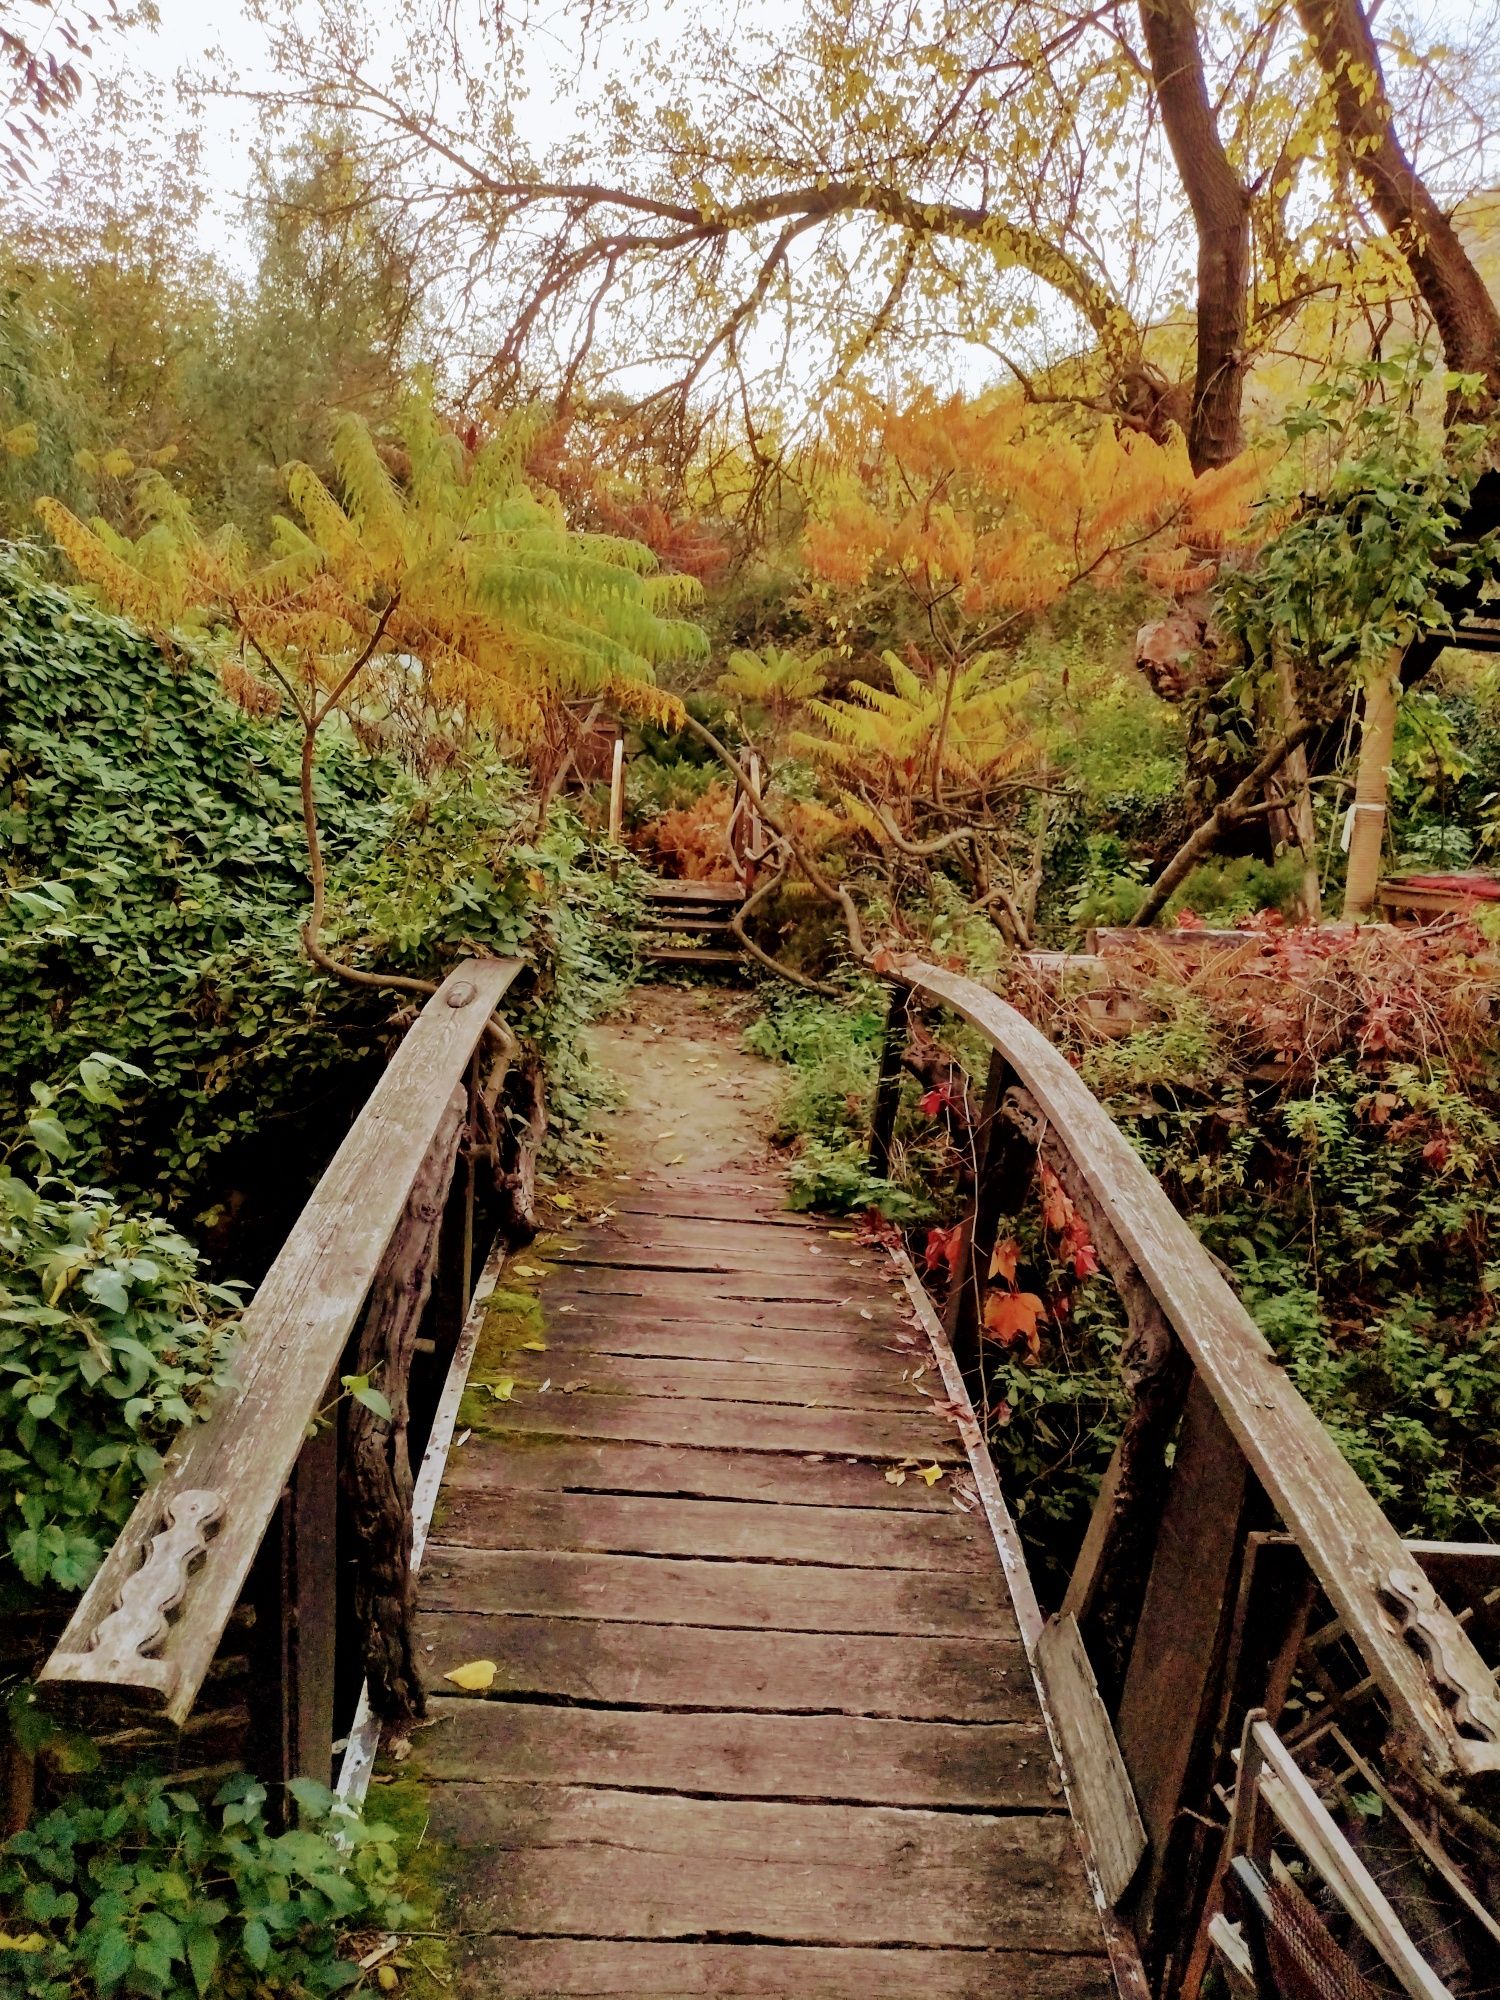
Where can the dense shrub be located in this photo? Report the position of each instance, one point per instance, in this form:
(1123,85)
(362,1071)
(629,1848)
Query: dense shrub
(154,881)
(144,1889)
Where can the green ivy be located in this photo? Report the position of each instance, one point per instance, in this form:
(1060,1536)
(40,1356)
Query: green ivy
(145,1890)
(111,1339)
(153,882)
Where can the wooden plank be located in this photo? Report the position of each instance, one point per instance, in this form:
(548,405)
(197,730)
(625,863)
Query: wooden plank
(500,1967)
(556,1860)
(754,1234)
(835,1759)
(731,1291)
(724,1426)
(1168,1705)
(670,954)
(573,1465)
(1098,1783)
(864,1385)
(786,1255)
(1351,1546)
(880,1316)
(665,891)
(726,1340)
(679,1666)
(721,1530)
(663,1590)
(690,1205)
(293,1334)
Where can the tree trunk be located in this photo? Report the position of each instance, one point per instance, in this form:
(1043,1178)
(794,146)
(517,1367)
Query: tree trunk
(1295,783)
(1371,785)
(1221,212)
(1465,315)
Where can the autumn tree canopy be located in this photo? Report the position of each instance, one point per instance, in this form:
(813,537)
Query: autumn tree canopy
(1124,207)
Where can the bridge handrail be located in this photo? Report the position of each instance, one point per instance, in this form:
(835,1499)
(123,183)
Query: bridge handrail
(195,1532)
(1442,1696)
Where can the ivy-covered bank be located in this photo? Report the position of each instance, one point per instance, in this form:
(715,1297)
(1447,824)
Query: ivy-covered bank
(170,1048)
(154,878)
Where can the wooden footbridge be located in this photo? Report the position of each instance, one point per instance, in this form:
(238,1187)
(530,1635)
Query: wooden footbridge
(761,1700)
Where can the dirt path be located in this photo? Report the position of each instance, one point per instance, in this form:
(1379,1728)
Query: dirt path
(693,1099)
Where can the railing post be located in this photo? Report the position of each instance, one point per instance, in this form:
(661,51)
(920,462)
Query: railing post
(1168,1714)
(296,1621)
(888,1083)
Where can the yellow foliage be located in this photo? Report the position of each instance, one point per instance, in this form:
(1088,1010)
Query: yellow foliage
(22,441)
(458,582)
(774,677)
(982,509)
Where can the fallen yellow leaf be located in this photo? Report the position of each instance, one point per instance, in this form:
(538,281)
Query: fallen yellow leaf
(932,1474)
(528,1270)
(895,1477)
(563,1201)
(534,1346)
(474,1677)
(676,1159)
(670,1133)
(387,1978)
(503,1389)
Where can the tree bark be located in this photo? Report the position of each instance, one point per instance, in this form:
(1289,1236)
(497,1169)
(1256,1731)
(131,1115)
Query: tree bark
(1465,315)
(1372,783)
(1221,213)
(1228,813)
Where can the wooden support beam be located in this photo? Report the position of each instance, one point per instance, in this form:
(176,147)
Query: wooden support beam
(296,1622)
(1169,1705)
(888,1083)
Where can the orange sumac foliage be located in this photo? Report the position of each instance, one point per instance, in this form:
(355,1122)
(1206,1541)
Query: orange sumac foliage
(978,505)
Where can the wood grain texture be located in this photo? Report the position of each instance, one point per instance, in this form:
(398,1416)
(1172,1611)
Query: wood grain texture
(760,1718)
(525,1463)
(1101,1785)
(663,1590)
(499,1968)
(639,1665)
(645,1524)
(750,1427)
(569,1368)
(551,1859)
(839,1759)
(726,1339)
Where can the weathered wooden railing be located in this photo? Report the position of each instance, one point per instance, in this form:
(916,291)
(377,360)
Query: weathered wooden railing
(1226,1518)
(292,1495)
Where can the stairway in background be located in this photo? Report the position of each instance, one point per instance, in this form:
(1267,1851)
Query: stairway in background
(687,923)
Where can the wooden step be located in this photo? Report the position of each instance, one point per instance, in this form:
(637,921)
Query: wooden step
(670,954)
(694,892)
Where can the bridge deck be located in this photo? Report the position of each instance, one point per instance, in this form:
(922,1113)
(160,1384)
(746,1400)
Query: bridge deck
(761,1721)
